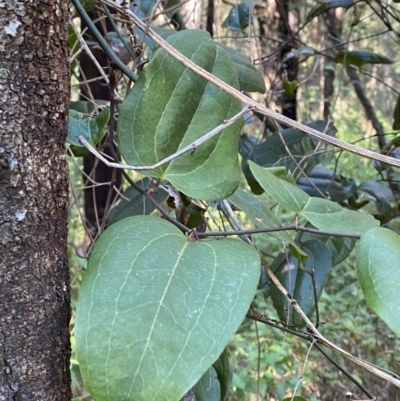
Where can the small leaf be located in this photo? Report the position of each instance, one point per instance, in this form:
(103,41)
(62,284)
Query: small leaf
(246,145)
(299,283)
(322,182)
(80,126)
(340,247)
(137,204)
(262,218)
(289,86)
(155,310)
(383,196)
(170,106)
(102,122)
(238,18)
(250,77)
(359,58)
(224,369)
(378,266)
(208,388)
(320,8)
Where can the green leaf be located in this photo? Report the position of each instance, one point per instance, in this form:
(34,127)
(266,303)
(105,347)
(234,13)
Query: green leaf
(102,121)
(261,216)
(137,204)
(80,126)
(273,152)
(170,106)
(299,283)
(287,195)
(383,196)
(208,388)
(289,86)
(359,58)
(297,398)
(93,130)
(321,213)
(322,182)
(238,18)
(378,265)
(155,311)
(246,146)
(250,77)
(340,247)
(329,216)
(224,369)
(88,4)
(320,8)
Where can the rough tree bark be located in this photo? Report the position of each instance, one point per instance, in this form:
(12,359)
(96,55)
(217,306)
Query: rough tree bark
(34,280)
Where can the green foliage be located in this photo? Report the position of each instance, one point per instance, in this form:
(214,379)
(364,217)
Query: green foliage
(378,256)
(93,130)
(321,213)
(158,308)
(322,182)
(152,303)
(359,58)
(170,107)
(249,76)
(289,148)
(262,217)
(238,18)
(321,7)
(137,204)
(299,283)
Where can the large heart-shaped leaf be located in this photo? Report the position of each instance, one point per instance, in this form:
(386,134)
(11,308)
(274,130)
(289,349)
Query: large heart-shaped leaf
(155,310)
(378,266)
(170,106)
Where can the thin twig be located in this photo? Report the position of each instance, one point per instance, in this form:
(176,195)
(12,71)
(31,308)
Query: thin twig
(188,148)
(289,227)
(385,374)
(251,103)
(88,52)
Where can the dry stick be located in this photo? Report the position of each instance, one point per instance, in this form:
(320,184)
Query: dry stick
(88,51)
(189,148)
(251,103)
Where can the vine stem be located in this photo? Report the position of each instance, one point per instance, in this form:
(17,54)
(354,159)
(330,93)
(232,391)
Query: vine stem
(250,102)
(189,148)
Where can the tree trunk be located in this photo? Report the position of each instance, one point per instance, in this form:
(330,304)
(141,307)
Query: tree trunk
(34,280)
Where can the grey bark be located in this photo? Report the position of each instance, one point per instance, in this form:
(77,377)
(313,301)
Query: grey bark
(34,280)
